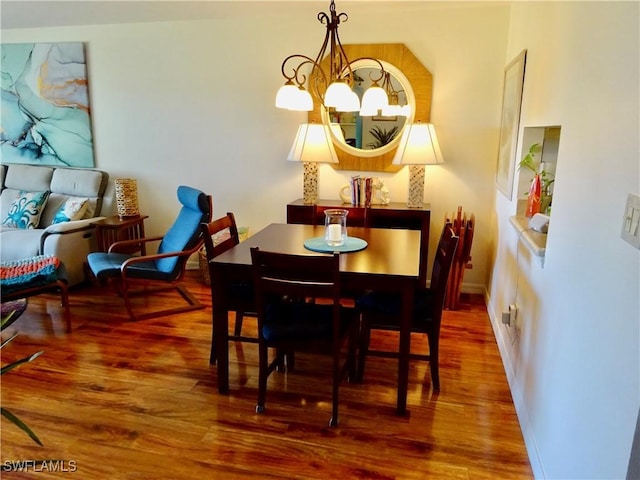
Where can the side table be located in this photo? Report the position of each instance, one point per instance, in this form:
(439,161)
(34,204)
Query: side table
(115,229)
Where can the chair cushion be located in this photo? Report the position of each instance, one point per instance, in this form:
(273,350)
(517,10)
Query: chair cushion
(105,265)
(242,291)
(390,304)
(25,210)
(299,320)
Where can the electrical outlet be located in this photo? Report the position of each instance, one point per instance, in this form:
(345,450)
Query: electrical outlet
(631,221)
(513,313)
(506,318)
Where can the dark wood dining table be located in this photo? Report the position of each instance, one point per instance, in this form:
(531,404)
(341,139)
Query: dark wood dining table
(389,263)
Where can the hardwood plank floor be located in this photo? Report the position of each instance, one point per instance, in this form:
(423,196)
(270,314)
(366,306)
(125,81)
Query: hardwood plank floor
(117,399)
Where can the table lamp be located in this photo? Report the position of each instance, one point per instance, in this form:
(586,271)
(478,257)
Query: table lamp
(311,146)
(418,147)
(127,197)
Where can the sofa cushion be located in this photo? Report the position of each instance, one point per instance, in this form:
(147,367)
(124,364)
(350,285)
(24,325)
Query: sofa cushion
(25,210)
(73,209)
(17,243)
(78,182)
(30,178)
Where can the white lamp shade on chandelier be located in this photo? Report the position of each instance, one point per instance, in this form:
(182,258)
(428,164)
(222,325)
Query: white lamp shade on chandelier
(294,98)
(418,147)
(340,96)
(373,100)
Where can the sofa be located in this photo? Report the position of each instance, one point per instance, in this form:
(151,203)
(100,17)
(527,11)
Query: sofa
(47,210)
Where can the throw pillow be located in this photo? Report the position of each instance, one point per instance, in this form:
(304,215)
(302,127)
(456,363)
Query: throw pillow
(73,209)
(26,209)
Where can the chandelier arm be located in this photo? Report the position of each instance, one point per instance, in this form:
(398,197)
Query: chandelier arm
(375,60)
(296,76)
(342,56)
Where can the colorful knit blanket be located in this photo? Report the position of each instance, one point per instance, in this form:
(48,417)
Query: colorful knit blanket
(34,271)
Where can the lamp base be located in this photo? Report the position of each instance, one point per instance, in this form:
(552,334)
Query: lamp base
(416,186)
(310,183)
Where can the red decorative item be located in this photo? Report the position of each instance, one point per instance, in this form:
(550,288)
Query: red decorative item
(534,201)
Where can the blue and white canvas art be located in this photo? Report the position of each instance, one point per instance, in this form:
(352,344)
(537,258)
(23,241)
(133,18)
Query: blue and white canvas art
(45,116)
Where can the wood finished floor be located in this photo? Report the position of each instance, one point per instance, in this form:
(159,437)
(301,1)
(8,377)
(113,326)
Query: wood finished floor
(117,399)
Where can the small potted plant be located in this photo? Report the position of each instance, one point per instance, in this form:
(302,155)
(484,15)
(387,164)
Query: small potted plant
(540,192)
(382,136)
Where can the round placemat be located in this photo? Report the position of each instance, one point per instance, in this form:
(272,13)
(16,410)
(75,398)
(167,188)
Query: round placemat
(319,244)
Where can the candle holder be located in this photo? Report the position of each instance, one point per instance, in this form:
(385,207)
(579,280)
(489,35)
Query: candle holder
(335,227)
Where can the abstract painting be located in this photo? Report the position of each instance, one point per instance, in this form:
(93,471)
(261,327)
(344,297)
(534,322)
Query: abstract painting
(45,116)
(511,103)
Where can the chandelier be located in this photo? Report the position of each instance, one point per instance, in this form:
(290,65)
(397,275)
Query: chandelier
(394,107)
(333,88)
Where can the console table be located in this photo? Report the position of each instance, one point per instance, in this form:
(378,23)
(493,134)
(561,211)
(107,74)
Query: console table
(392,215)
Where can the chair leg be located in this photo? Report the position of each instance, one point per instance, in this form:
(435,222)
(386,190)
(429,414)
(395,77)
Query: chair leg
(263,353)
(290,358)
(238,327)
(127,301)
(363,347)
(212,354)
(337,377)
(64,300)
(352,367)
(433,363)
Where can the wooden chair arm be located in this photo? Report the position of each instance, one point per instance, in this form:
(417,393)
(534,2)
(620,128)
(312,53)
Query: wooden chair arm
(157,256)
(127,243)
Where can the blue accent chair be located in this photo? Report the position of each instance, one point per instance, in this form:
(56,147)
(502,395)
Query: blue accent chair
(164,269)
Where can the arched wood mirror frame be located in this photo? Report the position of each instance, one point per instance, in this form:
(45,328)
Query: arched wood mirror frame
(419,77)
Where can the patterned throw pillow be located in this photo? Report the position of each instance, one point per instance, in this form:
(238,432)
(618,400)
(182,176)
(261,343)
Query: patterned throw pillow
(73,209)
(25,210)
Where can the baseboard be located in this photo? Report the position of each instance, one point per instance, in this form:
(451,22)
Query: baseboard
(193,265)
(473,288)
(504,341)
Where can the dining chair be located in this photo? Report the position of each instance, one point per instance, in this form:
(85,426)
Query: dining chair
(219,236)
(380,311)
(163,270)
(289,320)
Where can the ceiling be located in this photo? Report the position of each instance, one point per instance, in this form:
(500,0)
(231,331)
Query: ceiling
(54,13)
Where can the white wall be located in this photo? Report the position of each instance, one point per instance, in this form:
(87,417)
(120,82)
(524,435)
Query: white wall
(573,360)
(192,103)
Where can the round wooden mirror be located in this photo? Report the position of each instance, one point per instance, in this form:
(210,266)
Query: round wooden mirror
(411,76)
(372,136)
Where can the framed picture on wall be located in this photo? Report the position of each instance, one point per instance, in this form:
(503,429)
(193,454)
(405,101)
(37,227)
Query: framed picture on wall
(509,125)
(46,117)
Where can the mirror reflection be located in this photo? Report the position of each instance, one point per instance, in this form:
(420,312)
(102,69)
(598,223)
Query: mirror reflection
(372,132)
(410,75)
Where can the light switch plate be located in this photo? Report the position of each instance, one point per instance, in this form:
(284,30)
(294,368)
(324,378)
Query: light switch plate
(631,221)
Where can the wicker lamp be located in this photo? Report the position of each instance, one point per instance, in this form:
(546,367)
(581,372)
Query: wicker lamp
(127,197)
